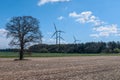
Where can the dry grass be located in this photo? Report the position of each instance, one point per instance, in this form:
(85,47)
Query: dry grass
(61,68)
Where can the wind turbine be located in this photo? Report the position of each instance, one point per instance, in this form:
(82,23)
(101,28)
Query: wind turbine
(75,40)
(56,34)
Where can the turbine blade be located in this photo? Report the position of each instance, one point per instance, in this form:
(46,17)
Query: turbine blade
(61,38)
(74,38)
(61,31)
(53,34)
(55,27)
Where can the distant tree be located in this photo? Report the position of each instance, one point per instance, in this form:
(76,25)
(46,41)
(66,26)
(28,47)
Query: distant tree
(23,30)
(116,50)
(111,46)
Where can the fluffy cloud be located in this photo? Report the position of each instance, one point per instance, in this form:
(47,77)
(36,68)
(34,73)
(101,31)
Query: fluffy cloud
(86,17)
(74,15)
(42,2)
(60,18)
(3,40)
(105,31)
(109,28)
(100,28)
(3,32)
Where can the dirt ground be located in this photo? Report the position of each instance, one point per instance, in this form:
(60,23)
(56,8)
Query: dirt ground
(61,68)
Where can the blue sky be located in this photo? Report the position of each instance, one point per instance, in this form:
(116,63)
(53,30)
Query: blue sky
(87,20)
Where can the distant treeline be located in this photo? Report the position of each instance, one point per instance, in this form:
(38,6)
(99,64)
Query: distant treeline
(89,47)
(9,50)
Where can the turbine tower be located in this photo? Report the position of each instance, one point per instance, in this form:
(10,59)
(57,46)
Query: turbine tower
(59,36)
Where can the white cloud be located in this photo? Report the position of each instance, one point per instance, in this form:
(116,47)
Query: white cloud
(3,32)
(74,15)
(3,40)
(106,31)
(42,2)
(108,28)
(86,17)
(60,18)
(100,27)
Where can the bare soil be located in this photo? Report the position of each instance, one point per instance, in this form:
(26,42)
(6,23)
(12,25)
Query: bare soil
(61,68)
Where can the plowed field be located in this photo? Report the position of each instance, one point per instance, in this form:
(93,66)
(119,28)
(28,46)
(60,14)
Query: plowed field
(61,68)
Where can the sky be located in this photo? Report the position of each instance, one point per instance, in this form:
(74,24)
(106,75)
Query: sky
(87,20)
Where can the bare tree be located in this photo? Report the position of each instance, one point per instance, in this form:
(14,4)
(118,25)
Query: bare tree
(23,30)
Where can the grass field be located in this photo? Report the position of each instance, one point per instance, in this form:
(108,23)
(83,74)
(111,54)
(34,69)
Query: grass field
(13,54)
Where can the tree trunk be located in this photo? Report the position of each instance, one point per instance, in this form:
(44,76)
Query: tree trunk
(21,55)
(21,52)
